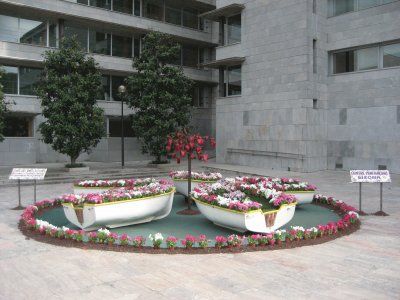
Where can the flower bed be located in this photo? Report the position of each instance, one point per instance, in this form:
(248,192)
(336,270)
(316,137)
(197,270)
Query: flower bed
(98,185)
(120,207)
(244,206)
(180,179)
(32,226)
(303,191)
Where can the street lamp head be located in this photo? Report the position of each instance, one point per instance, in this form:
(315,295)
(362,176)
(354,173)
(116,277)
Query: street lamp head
(121,89)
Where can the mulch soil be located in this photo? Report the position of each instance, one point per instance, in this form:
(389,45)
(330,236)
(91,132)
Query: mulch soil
(30,234)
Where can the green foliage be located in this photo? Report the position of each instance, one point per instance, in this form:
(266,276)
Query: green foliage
(3,107)
(68,89)
(159,94)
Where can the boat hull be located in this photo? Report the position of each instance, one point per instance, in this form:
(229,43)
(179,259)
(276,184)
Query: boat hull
(256,221)
(121,213)
(303,197)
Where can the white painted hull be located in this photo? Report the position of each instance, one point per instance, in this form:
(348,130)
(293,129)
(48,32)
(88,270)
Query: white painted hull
(303,197)
(255,221)
(91,190)
(182,185)
(122,213)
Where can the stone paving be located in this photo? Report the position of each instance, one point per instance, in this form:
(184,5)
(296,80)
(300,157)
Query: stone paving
(364,265)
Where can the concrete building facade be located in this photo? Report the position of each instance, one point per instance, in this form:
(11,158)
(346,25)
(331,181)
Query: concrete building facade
(300,85)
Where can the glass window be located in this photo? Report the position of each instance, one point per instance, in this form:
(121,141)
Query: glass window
(10,80)
(190,56)
(391,55)
(367,59)
(137,8)
(53,35)
(82,2)
(99,42)
(124,6)
(153,9)
(9,31)
(388,1)
(344,62)
(234,29)
(33,32)
(234,80)
(173,13)
(106,4)
(121,46)
(18,126)
(339,7)
(28,79)
(190,18)
(363,4)
(80,33)
(114,128)
(116,81)
(204,96)
(136,47)
(105,92)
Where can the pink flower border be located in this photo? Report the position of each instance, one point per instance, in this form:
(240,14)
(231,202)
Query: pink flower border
(349,218)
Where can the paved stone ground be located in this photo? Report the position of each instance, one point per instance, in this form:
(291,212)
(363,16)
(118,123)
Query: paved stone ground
(364,265)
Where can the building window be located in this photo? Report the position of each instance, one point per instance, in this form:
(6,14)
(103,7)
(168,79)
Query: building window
(106,4)
(234,78)
(391,55)
(26,31)
(137,9)
(314,53)
(173,13)
(153,9)
(10,80)
(18,126)
(190,18)
(99,42)
(106,88)
(234,28)
(28,79)
(123,6)
(190,56)
(20,80)
(121,46)
(344,62)
(202,96)
(369,58)
(114,127)
(338,7)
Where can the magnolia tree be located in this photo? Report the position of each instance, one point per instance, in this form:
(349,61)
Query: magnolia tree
(183,144)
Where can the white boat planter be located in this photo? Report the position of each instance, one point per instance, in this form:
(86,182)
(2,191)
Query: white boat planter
(303,197)
(181,185)
(120,213)
(256,220)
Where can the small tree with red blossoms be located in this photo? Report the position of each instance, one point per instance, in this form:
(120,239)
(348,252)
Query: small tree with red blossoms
(183,144)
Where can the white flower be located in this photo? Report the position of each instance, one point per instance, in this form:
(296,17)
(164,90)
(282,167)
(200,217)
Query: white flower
(156,237)
(105,231)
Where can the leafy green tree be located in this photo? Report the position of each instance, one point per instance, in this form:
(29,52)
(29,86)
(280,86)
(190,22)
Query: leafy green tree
(68,90)
(3,107)
(159,93)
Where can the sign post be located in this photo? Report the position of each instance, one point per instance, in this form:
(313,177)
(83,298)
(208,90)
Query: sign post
(26,174)
(371,176)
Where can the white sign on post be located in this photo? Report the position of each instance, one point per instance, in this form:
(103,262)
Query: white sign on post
(27,174)
(371,176)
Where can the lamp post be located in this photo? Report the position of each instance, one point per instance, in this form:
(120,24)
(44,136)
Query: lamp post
(121,91)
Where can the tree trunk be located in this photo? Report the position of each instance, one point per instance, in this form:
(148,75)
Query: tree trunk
(73,160)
